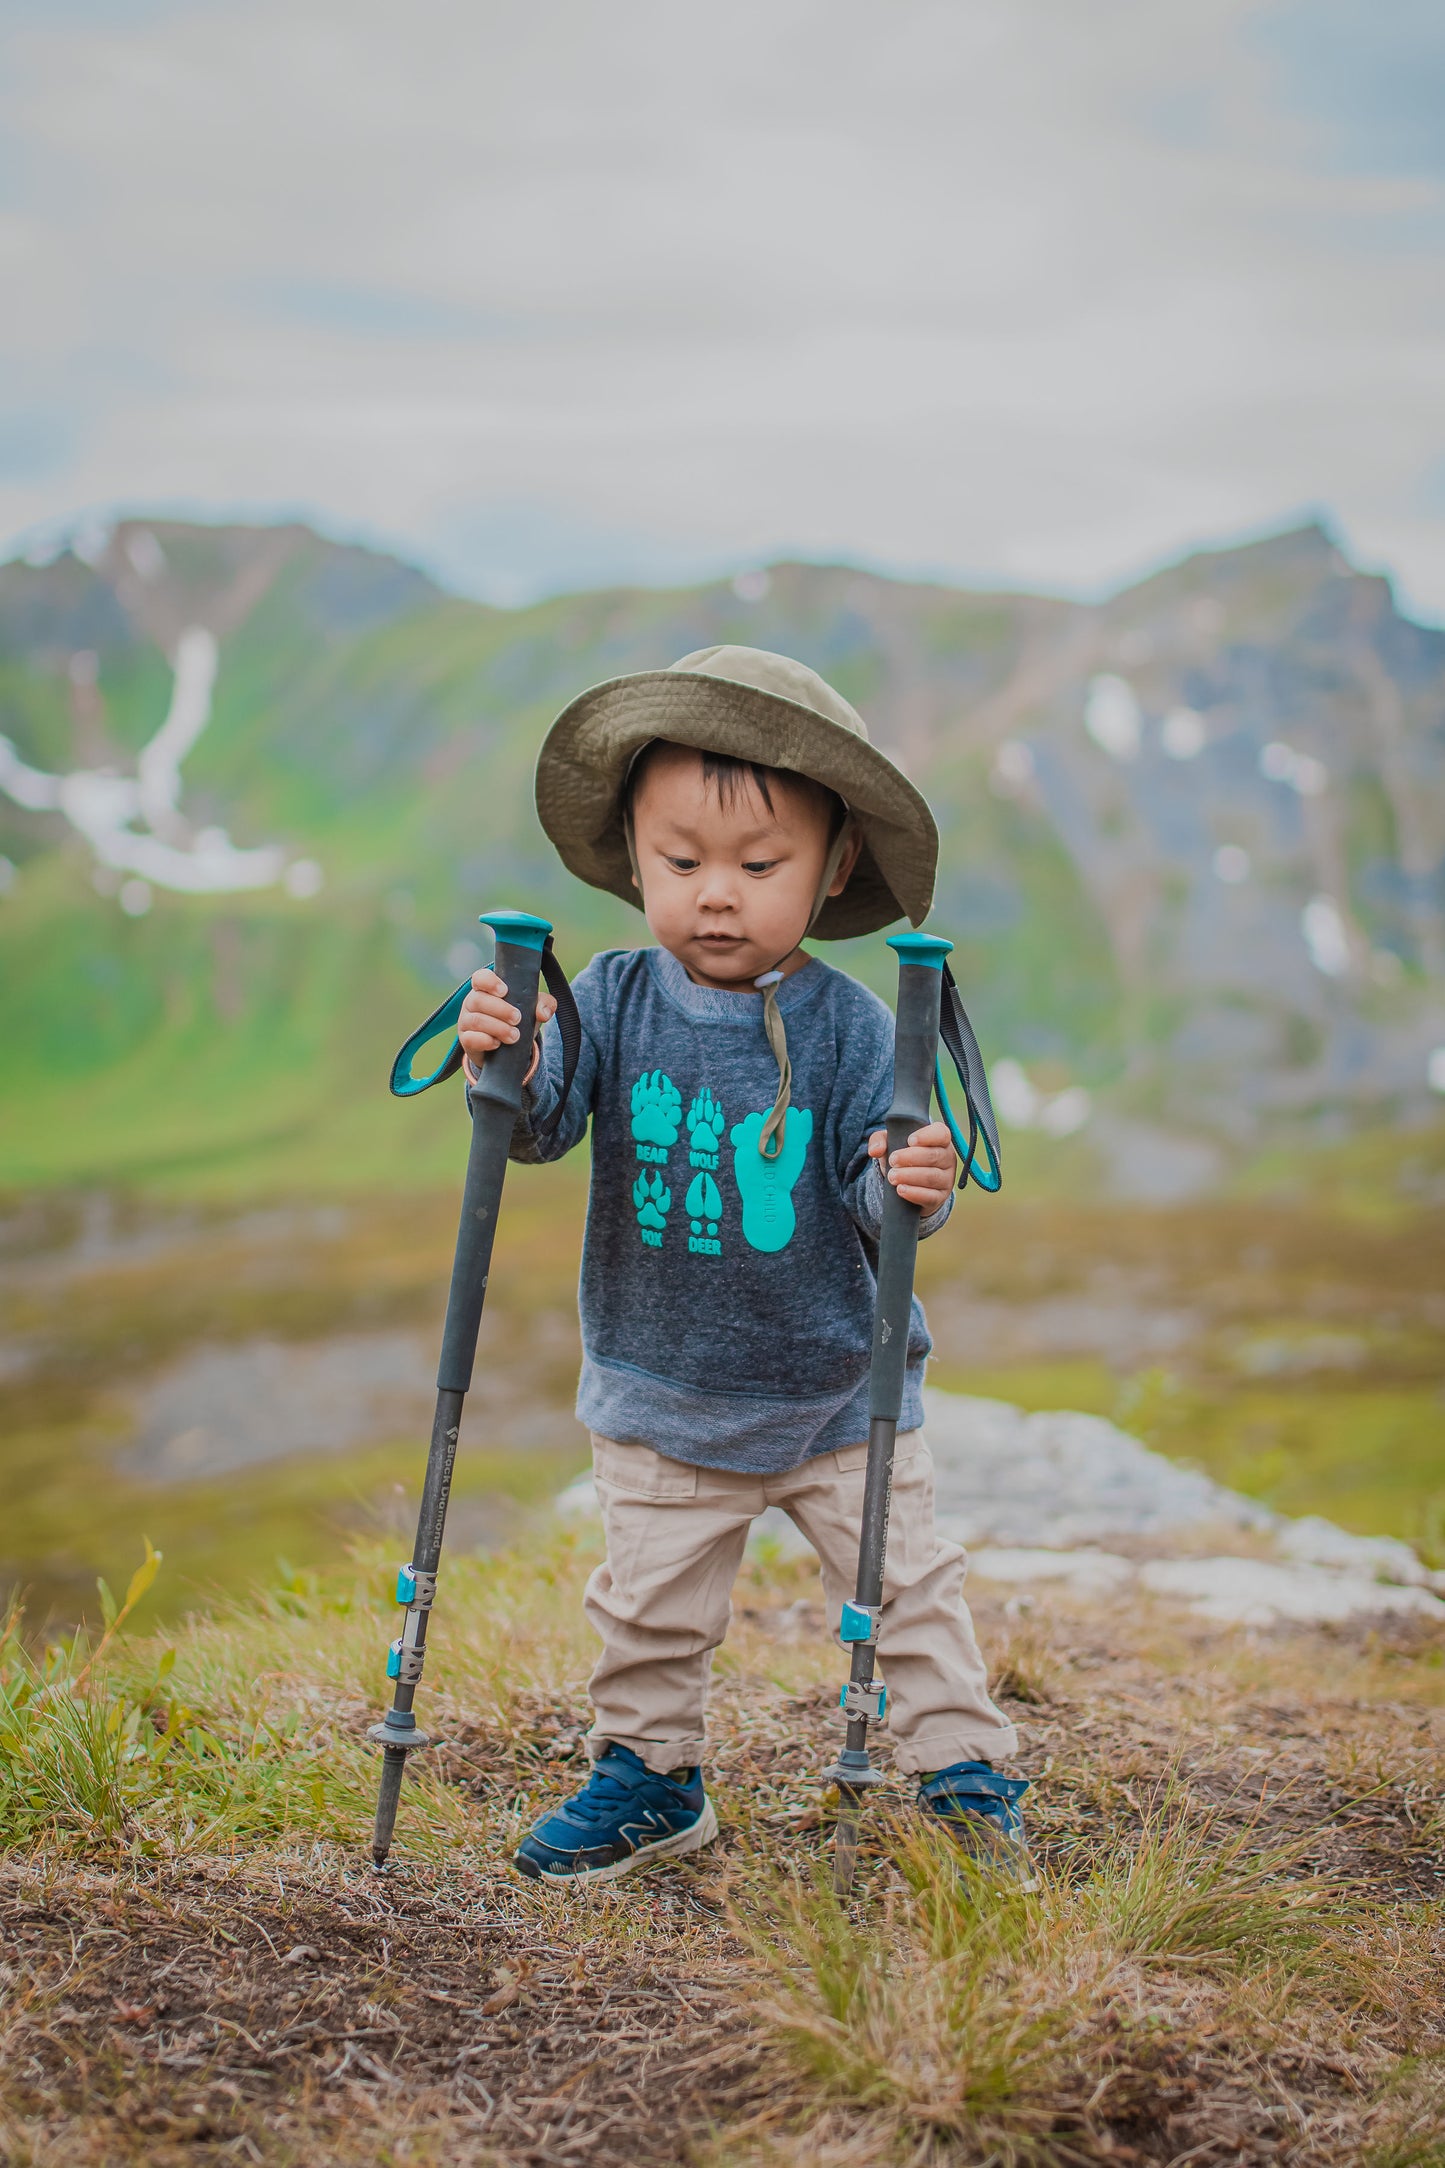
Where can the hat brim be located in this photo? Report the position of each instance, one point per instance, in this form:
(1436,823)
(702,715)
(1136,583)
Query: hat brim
(584,760)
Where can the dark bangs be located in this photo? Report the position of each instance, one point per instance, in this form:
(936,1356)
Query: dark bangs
(730,778)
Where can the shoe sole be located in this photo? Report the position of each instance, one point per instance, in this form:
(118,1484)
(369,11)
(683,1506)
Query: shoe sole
(692,1839)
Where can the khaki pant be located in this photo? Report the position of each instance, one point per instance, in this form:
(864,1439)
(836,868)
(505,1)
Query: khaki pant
(662,1601)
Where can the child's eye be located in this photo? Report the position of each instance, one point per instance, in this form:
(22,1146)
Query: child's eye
(759,865)
(684,865)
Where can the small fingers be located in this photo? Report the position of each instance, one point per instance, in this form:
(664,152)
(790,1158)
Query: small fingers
(923,1148)
(484,1011)
(920,1155)
(923,1170)
(929,1200)
(488,1020)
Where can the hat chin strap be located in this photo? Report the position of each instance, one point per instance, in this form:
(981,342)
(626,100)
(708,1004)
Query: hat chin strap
(773,1133)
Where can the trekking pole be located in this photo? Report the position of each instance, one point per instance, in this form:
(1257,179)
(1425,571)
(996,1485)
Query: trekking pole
(523,953)
(928,1006)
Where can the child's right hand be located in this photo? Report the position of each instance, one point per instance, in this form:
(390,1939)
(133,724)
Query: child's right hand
(488,1020)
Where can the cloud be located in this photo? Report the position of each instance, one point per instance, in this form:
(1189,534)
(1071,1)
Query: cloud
(1007,289)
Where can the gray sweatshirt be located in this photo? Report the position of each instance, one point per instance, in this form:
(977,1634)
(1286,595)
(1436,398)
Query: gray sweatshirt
(726,1301)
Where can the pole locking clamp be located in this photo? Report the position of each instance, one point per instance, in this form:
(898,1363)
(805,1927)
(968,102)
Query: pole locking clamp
(860,1622)
(415,1588)
(407,1653)
(863,1701)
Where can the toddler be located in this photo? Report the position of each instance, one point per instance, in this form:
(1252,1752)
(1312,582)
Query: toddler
(736,1088)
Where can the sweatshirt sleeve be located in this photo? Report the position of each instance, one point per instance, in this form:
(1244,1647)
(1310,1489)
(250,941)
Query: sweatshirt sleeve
(541,1095)
(864,1109)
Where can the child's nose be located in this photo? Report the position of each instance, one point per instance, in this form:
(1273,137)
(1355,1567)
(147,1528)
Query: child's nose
(717,892)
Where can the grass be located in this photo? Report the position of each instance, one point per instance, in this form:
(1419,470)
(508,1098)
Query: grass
(965,2015)
(1237,1931)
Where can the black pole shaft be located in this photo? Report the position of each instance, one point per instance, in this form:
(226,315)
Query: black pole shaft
(496,1102)
(915,1049)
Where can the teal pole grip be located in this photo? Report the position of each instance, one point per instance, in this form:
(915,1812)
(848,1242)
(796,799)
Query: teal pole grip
(523,930)
(928,949)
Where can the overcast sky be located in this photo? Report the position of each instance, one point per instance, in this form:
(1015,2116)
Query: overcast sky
(554,292)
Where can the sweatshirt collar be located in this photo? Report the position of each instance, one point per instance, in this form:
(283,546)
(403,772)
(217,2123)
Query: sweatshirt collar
(715,1006)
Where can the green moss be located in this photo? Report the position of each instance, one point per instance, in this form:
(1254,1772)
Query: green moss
(1366,1457)
(225,1535)
(1081,1382)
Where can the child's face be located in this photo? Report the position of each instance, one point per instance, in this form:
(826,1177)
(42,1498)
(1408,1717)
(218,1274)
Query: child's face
(728,889)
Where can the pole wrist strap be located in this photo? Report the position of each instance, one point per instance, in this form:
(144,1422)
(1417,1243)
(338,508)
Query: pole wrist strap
(569,1024)
(569,1028)
(957,1035)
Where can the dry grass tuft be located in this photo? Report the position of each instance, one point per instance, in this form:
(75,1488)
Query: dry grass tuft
(961,2018)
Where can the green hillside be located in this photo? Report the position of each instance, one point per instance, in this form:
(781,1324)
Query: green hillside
(365,721)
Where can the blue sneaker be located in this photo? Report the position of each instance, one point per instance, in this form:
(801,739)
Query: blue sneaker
(624,1816)
(981,1809)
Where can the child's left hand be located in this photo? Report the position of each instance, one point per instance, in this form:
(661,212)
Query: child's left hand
(925,1169)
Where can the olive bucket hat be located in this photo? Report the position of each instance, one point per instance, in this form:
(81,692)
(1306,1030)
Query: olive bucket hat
(757,707)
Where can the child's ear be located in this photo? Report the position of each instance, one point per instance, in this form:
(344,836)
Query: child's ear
(846,864)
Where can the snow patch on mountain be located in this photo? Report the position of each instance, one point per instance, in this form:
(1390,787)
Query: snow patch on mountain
(134,824)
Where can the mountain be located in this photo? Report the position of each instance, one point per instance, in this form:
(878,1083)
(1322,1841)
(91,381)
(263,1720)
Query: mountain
(255,785)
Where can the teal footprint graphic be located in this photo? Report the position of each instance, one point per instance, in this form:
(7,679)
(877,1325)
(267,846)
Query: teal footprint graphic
(766,1185)
(705,1122)
(704,1204)
(652,1198)
(656,1109)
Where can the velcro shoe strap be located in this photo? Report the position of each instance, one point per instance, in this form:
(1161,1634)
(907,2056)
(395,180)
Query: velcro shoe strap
(618,1770)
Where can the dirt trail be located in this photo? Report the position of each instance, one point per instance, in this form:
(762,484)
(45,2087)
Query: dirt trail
(299,2009)
(203,2012)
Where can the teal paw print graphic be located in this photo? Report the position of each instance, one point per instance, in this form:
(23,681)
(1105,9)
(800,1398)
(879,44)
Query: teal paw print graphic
(704,1213)
(704,1129)
(652,1199)
(656,1114)
(766,1185)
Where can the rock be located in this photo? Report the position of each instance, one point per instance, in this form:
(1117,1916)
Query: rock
(1029,1495)
(1060,1478)
(1252,1592)
(1093,1571)
(1318,1542)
